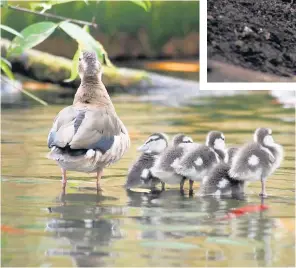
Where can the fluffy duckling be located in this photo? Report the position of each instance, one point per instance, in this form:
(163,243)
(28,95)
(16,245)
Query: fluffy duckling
(200,159)
(163,167)
(216,141)
(88,135)
(218,182)
(139,173)
(196,163)
(257,160)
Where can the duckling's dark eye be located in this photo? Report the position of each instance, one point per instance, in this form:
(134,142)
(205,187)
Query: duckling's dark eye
(79,59)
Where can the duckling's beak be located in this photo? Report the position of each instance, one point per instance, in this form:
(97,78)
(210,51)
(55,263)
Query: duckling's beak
(142,148)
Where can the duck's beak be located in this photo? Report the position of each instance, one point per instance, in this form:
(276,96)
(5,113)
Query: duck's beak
(142,148)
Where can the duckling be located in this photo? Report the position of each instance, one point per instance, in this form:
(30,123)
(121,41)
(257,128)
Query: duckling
(163,167)
(139,173)
(196,163)
(216,141)
(88,135)
(218,182)
(202,158)
(257,160)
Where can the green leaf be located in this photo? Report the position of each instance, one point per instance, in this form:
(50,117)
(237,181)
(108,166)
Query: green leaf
(74,69)
(146,5)
(10,30)
(84,39)
(33,35)
(7,62)
(86,28)
(6,69)
(75,61)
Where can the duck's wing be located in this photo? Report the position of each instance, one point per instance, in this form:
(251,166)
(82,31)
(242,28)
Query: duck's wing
(63,123)
(97,129)
(249,160)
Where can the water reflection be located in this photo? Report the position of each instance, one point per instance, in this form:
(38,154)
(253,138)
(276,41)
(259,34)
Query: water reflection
(80,223)
(86,228)
(120,228)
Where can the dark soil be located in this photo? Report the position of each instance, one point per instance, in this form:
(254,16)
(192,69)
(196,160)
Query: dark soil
(255,34)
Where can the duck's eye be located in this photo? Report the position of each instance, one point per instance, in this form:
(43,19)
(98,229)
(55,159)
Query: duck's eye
(80,59)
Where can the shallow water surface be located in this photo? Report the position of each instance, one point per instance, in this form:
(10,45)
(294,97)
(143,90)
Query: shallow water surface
(47,228)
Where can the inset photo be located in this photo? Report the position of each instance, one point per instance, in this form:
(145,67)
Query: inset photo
(251,41)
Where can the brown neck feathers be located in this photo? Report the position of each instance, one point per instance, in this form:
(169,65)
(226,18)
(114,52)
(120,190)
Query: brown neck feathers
(92,91)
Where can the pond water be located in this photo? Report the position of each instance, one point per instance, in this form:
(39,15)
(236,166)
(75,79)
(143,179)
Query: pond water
(43,227)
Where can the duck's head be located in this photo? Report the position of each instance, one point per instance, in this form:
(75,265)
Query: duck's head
(216,140)
(89,65)
(156,143)
(263,136)
(181,139)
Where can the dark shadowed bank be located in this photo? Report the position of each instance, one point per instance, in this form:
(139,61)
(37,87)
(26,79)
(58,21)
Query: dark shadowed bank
(256,35)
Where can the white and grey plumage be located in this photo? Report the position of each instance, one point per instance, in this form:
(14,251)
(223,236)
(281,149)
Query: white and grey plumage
(216,141)
(218,182)
(163,167)
(196,163)
(257,160)
(139,173)
(200,159)
(88,135)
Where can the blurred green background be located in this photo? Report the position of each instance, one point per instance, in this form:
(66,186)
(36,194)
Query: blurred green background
(169,29)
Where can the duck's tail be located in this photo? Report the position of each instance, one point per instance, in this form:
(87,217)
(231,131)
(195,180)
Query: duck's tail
(67,155)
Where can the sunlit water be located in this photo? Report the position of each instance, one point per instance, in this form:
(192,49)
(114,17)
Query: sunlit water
(45,228)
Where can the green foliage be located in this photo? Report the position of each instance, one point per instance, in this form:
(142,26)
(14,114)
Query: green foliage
(3,3)
(57,2)
(84,39)
(144,4)
(6,68)
(75,61)
(10,30)
(35,6)
(38,32)
(74,69)
(46,5)
(32,36)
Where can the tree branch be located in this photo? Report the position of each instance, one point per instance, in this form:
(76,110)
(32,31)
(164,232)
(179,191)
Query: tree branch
(48,15)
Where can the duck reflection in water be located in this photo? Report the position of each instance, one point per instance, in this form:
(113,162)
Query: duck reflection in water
(81,225)
(92,227)
(167,216)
